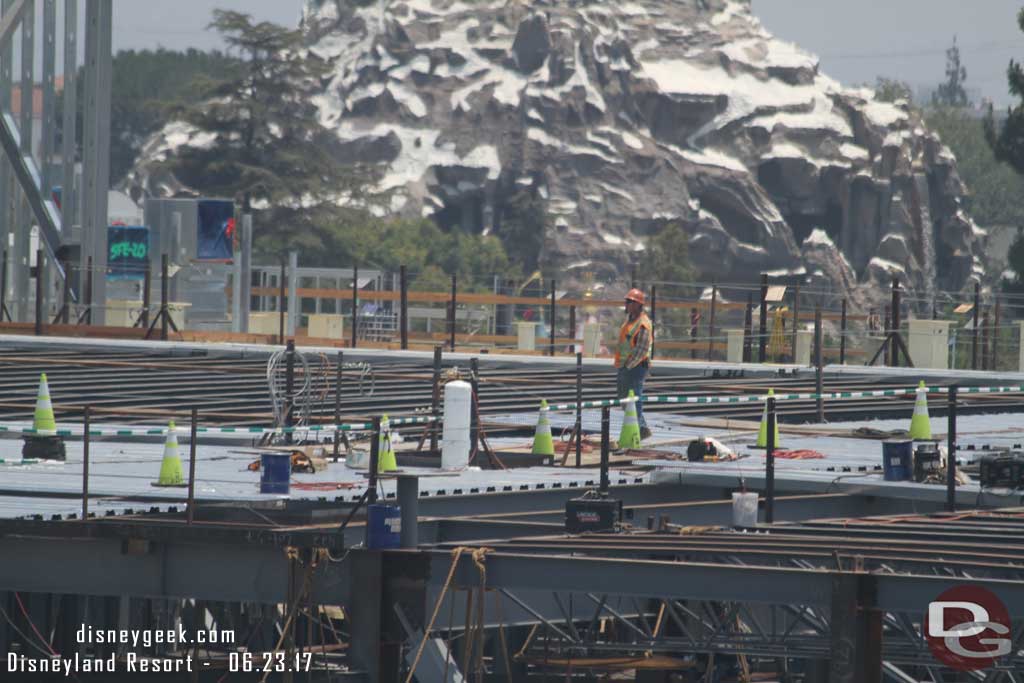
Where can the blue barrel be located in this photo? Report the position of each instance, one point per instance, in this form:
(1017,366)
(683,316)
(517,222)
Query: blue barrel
(898,459)
(275,472)
(383,526)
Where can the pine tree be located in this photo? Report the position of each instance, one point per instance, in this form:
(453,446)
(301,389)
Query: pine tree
(952,93)
(266,146)
(1007,140)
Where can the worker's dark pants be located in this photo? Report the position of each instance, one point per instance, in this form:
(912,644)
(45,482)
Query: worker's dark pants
(633,378)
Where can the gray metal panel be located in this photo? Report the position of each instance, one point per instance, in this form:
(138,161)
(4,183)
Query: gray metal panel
(68,147)
(96,136)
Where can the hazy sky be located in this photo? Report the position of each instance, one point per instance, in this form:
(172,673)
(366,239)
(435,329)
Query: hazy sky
(857,40)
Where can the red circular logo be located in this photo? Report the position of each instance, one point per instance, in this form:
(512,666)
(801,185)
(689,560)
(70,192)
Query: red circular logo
(968,628)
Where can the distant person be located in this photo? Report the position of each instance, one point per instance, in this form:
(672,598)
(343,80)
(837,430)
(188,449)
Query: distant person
(874,321)
(633,354)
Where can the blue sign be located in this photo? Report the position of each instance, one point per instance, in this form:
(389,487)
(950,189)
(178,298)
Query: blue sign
(127,252)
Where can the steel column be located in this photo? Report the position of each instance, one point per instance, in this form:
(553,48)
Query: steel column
(69,129)
(22,224)
(96,144)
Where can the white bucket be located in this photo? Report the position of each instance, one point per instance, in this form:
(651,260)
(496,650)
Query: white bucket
(458,402)
(744,510)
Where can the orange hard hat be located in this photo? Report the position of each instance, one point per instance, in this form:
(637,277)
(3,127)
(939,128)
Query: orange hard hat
(635,295)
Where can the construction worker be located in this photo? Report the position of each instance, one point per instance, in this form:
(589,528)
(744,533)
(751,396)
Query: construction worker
(633,354)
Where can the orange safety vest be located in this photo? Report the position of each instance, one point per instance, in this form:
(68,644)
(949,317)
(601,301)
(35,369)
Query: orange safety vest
(628,338)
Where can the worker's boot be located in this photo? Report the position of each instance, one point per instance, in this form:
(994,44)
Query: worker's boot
(645,432)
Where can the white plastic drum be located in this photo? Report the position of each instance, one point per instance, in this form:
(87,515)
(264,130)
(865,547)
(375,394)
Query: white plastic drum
(458,403)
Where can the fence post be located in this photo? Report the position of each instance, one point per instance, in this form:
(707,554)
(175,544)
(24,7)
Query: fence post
(85,463)
(748,326)
(374,463)
(65,298)
(164,292)
(694,326)
(474,413)
(654,314)
(984,341)
(88,291)
(996,333)
(190,512)
(289,390)
(39,329)
(894,349)
(796,316)
(579,409)
(3,289)
(281,303)
(606,421)
(403,309)
(769,465)
(551,348)
(572,323)
(951,452)
(819,380)
(451,315)
(711,322)
(842,335)
(762,337)
(355,304)
(974,331)
(435,399)
(338,368)
(147,284)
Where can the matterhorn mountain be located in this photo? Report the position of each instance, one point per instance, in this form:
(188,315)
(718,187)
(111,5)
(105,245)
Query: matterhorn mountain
(619,117)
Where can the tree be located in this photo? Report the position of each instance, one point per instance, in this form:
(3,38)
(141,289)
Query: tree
(264,145)
(667,256)
(1007,140)
(995,192)
(892,89)
(952,93)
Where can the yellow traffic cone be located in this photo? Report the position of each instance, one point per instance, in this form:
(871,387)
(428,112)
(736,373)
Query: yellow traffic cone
(542,443)
(629,435)
(762,431)
(386,454)
(920,425)
(170,467)
(43,418)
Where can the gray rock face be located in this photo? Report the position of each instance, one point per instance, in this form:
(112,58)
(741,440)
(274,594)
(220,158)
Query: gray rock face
(621,117)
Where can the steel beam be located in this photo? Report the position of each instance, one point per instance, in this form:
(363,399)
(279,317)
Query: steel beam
(111,567)
(96,143)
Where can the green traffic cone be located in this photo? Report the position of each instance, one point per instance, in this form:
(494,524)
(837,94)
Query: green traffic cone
(542,443)
(386,457)
(629,435)
(43,419)
(762,431)
(920,425)
(170,466)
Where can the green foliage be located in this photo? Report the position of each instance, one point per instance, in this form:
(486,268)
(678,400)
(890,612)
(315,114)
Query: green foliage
(523,224)
(952,93)
(268,149)
(667,256)
(430,254)
(1007,140)
(146,83)
(996,192)
(892,89)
